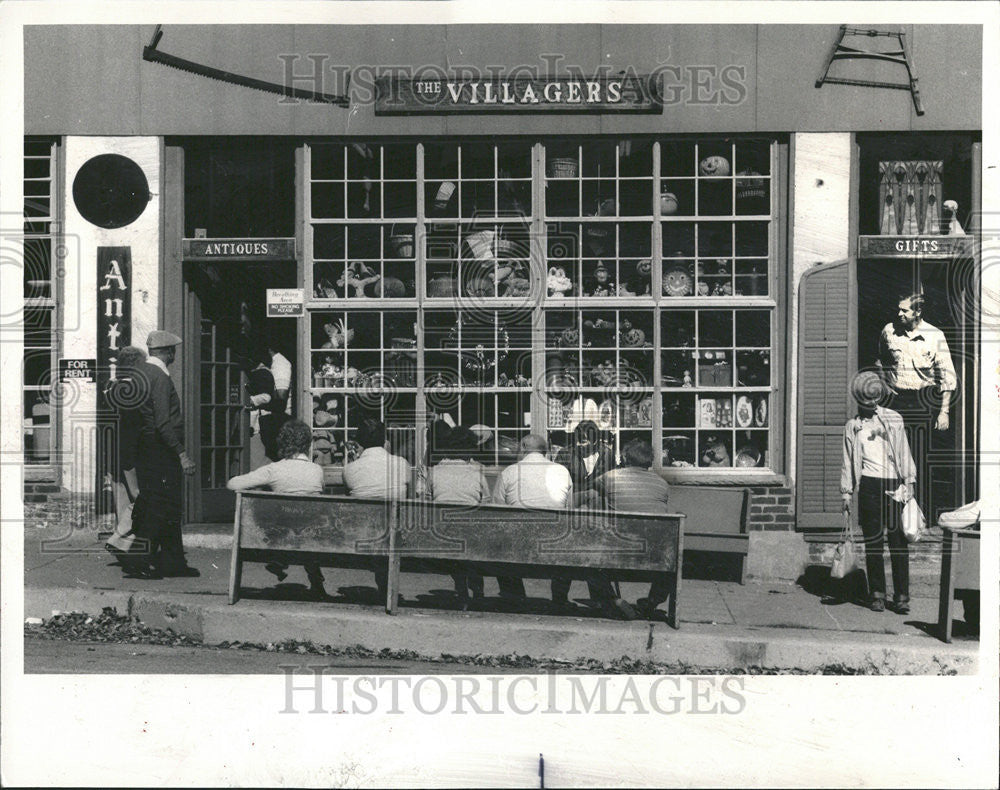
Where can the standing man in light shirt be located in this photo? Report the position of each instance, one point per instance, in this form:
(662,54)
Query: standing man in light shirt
(533,482)
(376,474)
(916,365)
(281,370)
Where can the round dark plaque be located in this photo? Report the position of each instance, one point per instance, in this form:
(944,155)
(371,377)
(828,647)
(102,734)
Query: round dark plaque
(110,191)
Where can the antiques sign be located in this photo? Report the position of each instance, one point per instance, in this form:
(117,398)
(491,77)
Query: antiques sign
(279,249)
(436,96)
(114,309)
(914,246)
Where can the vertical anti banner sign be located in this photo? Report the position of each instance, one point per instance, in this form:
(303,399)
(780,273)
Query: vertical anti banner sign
(114,330)
(114,310)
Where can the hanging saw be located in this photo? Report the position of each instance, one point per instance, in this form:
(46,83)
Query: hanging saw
(153,55)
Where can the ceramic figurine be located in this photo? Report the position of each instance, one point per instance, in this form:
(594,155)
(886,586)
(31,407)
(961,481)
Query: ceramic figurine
(324,289)
(569,338)
(559,284)
(604,286)
(715,453)
(357,277)
(714,166)
(339,335)
(634,338)
(951,223)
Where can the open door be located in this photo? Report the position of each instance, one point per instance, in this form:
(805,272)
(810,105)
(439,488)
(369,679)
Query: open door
(827,363)
(225,323)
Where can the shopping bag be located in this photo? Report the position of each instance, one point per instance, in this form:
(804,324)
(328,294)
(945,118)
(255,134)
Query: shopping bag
(845,556)
(912,521)
(122,537)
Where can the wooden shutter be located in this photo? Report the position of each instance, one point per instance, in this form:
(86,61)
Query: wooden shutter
(827,362)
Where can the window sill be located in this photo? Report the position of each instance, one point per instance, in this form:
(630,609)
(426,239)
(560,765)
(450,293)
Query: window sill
(730,477)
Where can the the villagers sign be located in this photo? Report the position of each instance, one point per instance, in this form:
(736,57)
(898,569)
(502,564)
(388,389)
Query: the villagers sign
(624,94)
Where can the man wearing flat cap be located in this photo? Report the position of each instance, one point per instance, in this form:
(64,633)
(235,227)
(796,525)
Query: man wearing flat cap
(161,461)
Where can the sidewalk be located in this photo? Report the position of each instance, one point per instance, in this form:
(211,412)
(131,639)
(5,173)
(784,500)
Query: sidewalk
(724,625)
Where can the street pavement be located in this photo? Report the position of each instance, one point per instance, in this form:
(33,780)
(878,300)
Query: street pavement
(723,624)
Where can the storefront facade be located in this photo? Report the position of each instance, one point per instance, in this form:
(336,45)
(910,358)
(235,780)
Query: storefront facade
(686,264)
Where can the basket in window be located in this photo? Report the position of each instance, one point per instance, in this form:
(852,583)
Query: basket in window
(402,244)
(563,167)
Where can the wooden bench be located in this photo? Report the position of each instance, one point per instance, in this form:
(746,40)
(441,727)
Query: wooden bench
(497,539)
(959,574)
(716,519)
(335,531)
(511,541)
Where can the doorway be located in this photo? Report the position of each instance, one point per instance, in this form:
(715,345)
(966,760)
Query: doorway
(226,325)
(946,460)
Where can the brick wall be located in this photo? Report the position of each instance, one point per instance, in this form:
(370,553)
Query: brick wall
(771,508)
(41,492)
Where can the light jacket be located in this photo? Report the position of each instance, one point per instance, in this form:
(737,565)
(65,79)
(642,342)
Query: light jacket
(899,447)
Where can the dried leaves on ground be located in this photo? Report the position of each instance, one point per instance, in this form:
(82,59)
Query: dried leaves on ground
(111,627)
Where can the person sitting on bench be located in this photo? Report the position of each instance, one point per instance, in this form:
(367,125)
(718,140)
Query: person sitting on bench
(533,482)
(376,474)
(457,479)
(635,488)
(295,473)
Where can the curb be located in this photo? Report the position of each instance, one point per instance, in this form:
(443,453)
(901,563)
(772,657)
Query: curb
(212,620)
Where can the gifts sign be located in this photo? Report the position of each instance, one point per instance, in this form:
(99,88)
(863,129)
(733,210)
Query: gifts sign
(910,197)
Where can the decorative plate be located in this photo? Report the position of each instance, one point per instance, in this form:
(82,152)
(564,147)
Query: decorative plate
(677,282)
(606,420)
(744,412)
(760,412)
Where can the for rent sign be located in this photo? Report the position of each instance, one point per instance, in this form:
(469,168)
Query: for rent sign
(625,94)
(77,370)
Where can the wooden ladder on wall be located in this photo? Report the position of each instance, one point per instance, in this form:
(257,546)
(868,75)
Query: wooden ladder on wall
(841,51)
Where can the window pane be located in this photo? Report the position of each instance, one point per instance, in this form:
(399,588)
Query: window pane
(471,359)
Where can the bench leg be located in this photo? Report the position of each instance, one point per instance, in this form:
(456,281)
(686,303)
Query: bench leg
(235,576)
(743,568)
(672,618)
(392,584)
(235,561)
(946,601)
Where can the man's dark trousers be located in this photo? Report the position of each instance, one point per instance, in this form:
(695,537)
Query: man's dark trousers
(933,451)
(159,505)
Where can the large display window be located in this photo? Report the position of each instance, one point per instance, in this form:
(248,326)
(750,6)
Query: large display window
(523,285)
